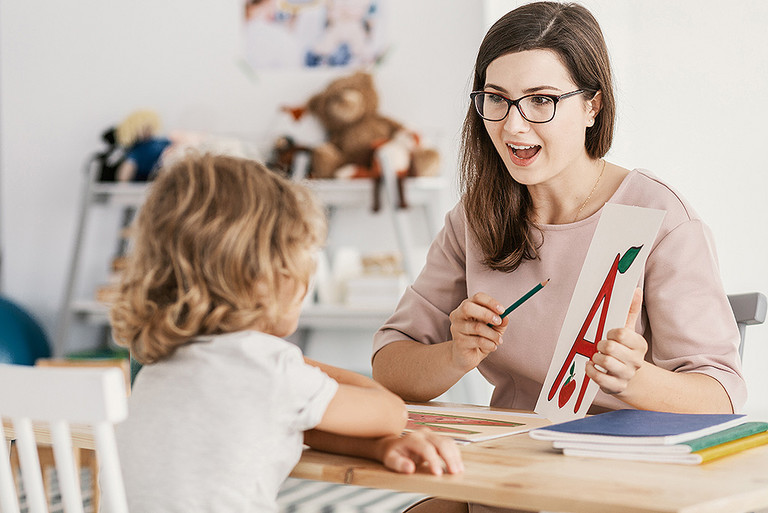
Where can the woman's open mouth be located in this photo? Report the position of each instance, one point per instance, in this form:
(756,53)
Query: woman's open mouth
(523,155)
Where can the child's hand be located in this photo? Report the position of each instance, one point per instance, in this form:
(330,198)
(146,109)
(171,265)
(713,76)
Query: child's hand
(621,354)
(422,448)
(476,330)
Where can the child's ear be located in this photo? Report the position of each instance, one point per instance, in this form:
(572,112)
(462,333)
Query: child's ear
(289,289)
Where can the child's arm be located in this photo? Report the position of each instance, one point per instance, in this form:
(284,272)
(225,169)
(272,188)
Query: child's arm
(399,453)
(361,407)
(343,376)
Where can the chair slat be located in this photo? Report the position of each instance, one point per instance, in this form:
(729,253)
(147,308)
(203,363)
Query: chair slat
(8,503)
(30,466)
(110,475)
(66,470)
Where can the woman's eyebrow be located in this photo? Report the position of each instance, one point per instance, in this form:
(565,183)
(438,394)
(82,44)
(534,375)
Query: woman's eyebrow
(529,90)
(498,88)
(536,89)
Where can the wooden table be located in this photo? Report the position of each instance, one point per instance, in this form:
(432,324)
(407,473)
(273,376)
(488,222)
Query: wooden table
(519,472)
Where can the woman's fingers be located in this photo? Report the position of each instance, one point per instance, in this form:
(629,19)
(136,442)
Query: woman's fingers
(607,383)
(634,309)
(480,308)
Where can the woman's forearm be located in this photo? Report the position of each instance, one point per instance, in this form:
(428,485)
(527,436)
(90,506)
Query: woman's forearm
(414,371)
(654,388)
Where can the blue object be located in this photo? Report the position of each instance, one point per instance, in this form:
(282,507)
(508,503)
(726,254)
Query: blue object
(22,340)
(146,155)
(639,427)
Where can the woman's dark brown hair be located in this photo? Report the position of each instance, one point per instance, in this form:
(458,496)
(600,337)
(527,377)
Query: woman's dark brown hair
(498,209)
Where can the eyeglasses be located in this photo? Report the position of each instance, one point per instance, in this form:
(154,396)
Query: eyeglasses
(535,108)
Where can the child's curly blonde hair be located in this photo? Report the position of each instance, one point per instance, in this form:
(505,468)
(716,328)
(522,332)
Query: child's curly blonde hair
(214,241)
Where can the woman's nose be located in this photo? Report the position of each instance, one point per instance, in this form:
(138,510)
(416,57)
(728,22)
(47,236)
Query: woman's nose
(515,122)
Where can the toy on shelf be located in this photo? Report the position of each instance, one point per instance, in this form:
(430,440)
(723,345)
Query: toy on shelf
(138,133)
(285,151)
(109,160)
(359,141)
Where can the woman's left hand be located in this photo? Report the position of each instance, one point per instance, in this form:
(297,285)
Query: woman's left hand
(621,354)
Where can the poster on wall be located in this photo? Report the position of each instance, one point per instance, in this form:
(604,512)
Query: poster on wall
(291,34)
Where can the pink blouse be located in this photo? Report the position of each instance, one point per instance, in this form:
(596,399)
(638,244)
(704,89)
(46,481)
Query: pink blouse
(686,317)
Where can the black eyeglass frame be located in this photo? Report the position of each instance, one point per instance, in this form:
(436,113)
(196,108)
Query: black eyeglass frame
(554,97)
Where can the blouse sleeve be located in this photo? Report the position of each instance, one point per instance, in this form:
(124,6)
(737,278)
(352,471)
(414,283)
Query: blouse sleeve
(691,324)
(422,313)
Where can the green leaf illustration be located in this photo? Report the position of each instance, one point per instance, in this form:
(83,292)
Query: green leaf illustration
(628,258)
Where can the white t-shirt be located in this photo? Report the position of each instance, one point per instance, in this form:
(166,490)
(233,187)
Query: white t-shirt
(219,425)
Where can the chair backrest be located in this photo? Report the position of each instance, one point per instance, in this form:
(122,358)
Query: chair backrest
(47,401)
(749,308)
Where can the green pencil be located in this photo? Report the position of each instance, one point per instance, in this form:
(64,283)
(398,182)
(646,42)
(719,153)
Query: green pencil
(523,299)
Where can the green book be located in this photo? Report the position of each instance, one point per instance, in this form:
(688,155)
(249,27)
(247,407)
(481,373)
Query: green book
(734,433)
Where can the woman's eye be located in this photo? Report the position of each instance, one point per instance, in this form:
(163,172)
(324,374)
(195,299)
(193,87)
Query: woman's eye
(540,101)
(494,98)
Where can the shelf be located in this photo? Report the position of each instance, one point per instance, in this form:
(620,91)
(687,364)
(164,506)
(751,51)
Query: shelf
(423,193)
(313,316)
(343,317)
(355,192)
(119,193)
(91,310)
(330,191)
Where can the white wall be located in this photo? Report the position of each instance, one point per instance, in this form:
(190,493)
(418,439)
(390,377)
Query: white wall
(692,87)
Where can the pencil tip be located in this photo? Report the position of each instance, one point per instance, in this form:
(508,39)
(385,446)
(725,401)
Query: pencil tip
(545,282)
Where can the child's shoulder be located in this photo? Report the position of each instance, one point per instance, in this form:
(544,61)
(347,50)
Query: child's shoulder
(247,347)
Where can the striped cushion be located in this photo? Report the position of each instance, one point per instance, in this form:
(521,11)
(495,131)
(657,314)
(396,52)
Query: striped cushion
(304,496)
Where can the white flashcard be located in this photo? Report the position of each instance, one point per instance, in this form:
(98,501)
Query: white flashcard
(600,302)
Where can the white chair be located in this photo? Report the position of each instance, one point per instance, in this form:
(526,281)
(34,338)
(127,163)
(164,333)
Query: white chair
(46,401)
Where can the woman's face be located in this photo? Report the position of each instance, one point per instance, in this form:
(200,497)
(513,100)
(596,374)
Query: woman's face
(536,153)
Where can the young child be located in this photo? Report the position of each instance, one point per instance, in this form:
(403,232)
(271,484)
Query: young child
(222,258)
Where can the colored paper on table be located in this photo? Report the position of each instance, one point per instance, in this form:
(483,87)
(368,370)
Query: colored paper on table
(600,302)
(471,424)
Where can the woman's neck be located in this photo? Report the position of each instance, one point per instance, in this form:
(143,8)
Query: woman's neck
(577,194)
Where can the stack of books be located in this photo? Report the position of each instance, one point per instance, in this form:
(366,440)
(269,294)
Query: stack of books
(655,436)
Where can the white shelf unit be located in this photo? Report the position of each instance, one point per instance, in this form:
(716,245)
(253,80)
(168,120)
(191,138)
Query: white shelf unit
(108,195)
(423,193)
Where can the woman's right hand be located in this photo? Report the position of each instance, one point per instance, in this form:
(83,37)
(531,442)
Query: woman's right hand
(472,337)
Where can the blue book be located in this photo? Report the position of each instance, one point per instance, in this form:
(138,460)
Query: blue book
(639,427)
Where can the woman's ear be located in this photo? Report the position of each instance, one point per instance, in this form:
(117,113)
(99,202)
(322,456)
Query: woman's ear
(593,107)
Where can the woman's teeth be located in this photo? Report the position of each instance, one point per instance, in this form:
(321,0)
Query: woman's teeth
(524,152)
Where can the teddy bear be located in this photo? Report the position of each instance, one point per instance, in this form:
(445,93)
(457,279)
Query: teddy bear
(362,143)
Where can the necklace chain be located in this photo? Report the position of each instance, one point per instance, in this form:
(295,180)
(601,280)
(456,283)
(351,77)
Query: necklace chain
(594,187)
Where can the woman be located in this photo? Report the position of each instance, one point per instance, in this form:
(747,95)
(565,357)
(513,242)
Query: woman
(534,181)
